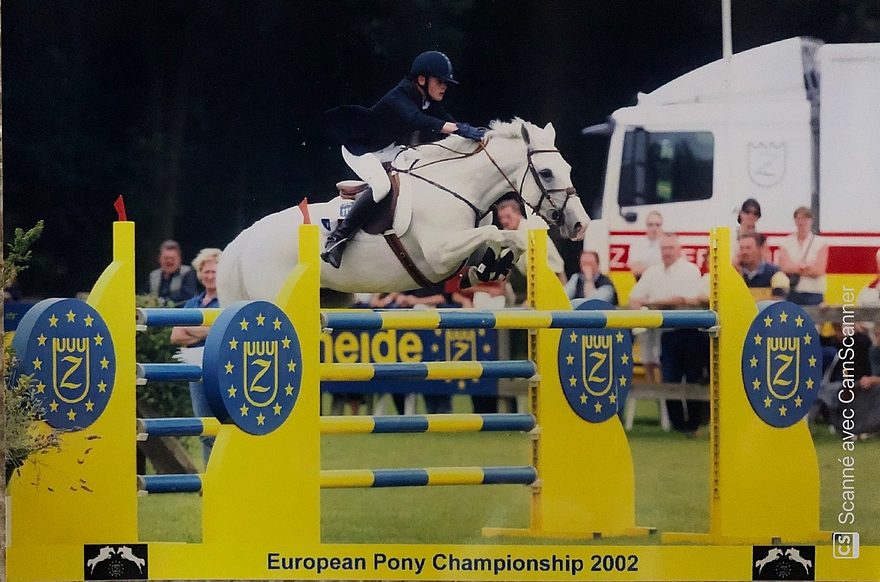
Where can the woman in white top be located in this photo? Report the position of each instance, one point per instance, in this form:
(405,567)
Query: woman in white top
(804,258)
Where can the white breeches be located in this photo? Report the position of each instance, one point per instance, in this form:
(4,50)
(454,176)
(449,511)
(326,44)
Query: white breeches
(369,168)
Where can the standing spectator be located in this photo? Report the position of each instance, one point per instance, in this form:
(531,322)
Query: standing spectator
(804,258)
(589,282)
(172,280)
(747,219)
(192,338)
(510,218)
(646,251)
(870,293)
(748,216)
(684,352)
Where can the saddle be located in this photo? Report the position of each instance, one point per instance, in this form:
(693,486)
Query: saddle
(383,219)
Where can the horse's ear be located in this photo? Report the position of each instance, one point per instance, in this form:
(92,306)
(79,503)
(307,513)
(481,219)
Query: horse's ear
(525,134)
(551,130)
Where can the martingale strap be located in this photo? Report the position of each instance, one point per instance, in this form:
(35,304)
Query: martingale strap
(405,260)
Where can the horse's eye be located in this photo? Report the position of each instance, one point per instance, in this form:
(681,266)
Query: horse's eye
(546,174)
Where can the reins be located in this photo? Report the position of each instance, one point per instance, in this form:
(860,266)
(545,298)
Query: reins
(557,213)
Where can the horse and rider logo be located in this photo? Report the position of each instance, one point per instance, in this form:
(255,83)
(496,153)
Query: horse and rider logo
(782,364)
(115,562)
(595,368)
(65,346)
(783,563)
(252,367)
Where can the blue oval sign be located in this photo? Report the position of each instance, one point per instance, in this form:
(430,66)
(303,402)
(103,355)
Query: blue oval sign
(65,345)
(252,368)
(782,364)
(595,367)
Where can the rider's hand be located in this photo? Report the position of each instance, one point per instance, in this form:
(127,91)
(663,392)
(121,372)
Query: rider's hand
(470,132)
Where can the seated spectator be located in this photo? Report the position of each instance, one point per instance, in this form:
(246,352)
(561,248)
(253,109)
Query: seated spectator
(426,298)
(172,280)
(589,282)
(490,295)
(684,353)
(850,382)
(803,256)
(755,270)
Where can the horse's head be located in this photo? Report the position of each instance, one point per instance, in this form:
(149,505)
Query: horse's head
(546,183)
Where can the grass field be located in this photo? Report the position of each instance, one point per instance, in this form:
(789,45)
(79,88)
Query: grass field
(672,475)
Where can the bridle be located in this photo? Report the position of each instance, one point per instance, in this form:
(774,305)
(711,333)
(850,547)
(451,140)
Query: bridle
(557,213)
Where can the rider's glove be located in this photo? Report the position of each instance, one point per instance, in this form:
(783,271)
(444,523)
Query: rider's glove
(470,132)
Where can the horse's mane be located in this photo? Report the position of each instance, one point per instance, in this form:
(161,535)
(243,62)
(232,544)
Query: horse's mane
(454,145)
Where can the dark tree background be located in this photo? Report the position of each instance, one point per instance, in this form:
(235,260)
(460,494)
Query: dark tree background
(208,114)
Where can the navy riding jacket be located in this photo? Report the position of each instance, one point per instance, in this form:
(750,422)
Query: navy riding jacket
(391,120)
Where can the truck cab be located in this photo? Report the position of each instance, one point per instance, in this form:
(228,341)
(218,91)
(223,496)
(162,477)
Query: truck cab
(793,123)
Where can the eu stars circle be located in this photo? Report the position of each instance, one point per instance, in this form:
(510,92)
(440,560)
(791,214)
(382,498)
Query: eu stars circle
(252,368)
(64,345)
(782,364)
(595,367)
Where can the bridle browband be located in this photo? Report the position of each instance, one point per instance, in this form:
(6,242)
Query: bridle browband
(557,215)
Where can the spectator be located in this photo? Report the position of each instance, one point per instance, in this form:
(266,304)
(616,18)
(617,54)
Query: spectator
(870,293)
(863,396)
(755,270)
(646,251)
(804,258)
(192,338)
(684,353)
(172,280)
(489,295)
(747,219)
(426,298)
(510,218)
(589,282)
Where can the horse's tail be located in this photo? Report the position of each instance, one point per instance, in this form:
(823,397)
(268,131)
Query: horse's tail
(230,280)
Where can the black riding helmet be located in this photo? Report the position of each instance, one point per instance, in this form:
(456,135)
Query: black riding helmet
(432,64)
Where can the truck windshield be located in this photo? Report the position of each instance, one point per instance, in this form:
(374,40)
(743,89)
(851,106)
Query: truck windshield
(665,167)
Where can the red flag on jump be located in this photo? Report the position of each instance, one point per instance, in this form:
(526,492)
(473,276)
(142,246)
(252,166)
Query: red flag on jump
(304,208)
(119,205)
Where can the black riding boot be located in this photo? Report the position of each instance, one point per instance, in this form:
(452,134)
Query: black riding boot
(360,211)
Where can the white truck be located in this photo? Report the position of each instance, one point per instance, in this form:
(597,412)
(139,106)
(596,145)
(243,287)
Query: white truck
(792,123)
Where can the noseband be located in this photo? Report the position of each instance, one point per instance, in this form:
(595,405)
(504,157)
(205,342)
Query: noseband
(557,214)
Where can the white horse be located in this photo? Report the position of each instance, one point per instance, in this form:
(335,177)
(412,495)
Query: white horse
(447,191)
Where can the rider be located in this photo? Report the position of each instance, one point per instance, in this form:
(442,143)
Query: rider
(370,137)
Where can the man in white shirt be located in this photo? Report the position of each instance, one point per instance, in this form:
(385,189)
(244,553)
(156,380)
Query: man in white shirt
(642,254)
(684,353)
(646,251)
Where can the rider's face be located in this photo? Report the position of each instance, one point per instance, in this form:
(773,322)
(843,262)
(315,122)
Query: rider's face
(436,88)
